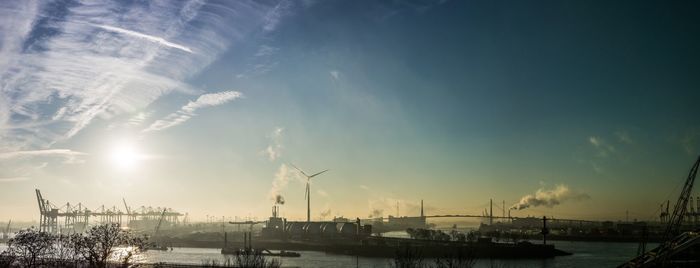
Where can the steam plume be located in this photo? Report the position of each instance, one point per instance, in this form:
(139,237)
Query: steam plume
(282,177)
(326,213)
(549,198)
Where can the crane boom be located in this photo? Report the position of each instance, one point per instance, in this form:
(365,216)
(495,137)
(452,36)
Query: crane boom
(673,241)
(126,206)
(160,221)
(681,207)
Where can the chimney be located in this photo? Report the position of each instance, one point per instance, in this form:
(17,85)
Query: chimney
(504,208)
(421,209)
(491,213)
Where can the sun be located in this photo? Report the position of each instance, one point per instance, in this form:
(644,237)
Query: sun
(125,156)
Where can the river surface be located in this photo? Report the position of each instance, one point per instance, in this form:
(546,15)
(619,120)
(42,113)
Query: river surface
(586,254)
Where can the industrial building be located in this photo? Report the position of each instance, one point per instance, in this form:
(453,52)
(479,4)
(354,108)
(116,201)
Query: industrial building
(279,228)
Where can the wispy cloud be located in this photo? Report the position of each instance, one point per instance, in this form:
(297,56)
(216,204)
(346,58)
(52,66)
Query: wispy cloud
(188,111)
(265,50)
(274,150)
(624,137)
(36,153)
(151,38)
(138,119)
(25,164)
(13,179)
(273,17)
(603,148)
(335,75)
(61,71)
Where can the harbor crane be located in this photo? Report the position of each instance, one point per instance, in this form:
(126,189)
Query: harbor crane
(674,242)
(160,221)
(7,230)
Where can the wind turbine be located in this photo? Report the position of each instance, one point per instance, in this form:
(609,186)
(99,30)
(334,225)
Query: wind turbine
(307,194)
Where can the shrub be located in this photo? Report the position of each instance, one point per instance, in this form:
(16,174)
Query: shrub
(252,258)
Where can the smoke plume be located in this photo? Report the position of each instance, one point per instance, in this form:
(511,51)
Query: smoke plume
(376,213)
(549,198)
(282,177)
(279,200)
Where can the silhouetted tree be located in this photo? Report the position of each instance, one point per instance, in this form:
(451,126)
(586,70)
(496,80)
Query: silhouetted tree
(7,258)
(461,259)
(472,236)
(439,235)
(30,247)
(101,242)
(408,257)
(253,258)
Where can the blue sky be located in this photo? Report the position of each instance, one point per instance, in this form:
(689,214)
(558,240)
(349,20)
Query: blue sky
(201,105)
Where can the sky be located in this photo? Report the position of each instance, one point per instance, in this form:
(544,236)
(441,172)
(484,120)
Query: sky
(571,109)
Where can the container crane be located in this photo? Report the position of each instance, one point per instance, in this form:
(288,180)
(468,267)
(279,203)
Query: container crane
(7,230)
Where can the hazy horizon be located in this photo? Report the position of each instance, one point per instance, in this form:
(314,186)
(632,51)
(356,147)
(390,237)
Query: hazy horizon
(575,110)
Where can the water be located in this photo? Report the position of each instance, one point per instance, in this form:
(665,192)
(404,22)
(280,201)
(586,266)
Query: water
(586,254)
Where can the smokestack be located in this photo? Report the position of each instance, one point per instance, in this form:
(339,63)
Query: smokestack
(491,212)
(397,209)
(421,209)
(504,208)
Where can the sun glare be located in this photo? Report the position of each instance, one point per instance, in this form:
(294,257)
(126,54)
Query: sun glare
(125,156)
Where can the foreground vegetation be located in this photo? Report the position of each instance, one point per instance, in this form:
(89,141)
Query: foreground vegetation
(410,257)
(102,246)
(250,258)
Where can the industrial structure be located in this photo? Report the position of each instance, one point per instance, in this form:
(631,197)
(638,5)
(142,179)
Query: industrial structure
(76,218)
(398,223)
(678,249)
(340,228)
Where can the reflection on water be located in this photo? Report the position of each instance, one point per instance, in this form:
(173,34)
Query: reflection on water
(586,254)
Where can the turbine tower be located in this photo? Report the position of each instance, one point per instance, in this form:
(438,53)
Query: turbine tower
(307,194)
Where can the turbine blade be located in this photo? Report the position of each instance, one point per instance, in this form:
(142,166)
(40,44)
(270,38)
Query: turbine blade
(302,172)
(317,174)
(306,192)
